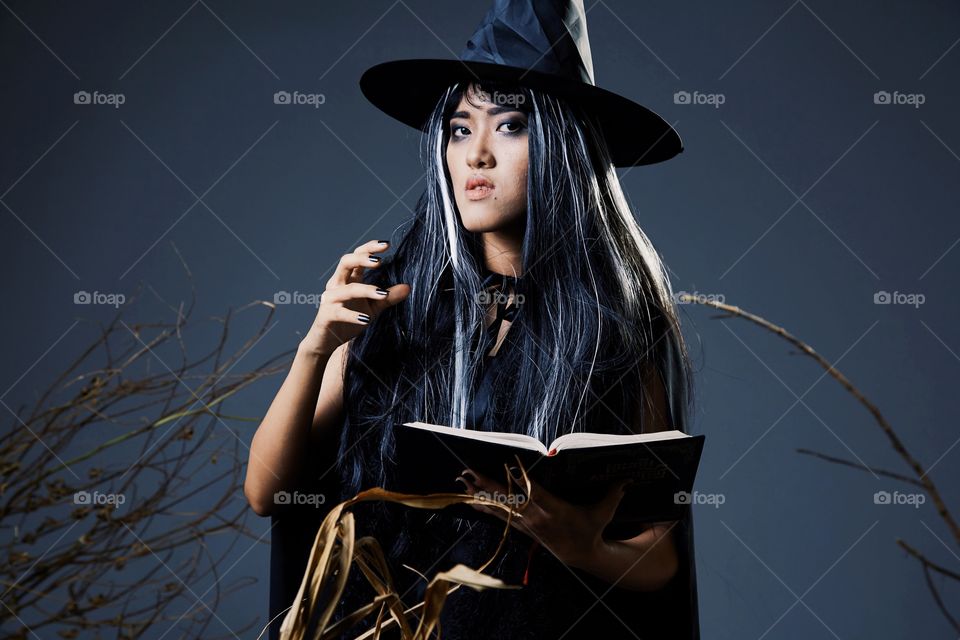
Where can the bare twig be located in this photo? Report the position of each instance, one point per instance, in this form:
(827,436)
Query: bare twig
(112,481)
(862,467)
(894,439)
(921,480)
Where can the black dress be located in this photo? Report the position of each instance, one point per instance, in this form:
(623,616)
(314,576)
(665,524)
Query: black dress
(557,601)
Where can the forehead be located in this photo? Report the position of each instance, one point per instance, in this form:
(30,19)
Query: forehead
(481,102)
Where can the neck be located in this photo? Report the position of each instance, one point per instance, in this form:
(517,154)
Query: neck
(502,251)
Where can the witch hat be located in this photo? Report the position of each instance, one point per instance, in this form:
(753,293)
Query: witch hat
(541,44)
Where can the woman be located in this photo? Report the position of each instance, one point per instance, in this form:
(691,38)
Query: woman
(523,296)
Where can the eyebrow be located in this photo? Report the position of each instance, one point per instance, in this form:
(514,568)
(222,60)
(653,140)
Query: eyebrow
(493,111)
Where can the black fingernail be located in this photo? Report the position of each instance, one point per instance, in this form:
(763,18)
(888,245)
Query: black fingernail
(374,258)
(470,475)
(515,472)
(363,318)
(382,291)
(383,242)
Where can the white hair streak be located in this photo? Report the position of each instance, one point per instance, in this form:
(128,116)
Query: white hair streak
(592,190)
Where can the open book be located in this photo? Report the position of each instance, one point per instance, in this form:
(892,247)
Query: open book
(578,467)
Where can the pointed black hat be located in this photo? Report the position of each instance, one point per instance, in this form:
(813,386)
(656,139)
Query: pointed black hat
(542,44)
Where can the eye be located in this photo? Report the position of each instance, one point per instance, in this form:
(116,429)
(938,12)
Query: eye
(517,124)
(510,127)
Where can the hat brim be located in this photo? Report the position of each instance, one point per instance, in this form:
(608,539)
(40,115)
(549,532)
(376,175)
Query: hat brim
(408,90)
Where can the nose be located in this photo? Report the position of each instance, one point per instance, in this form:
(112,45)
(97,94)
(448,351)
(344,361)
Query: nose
(479,154)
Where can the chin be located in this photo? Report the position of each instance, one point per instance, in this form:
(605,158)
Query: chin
(484,224)
(485,220)
(475,224)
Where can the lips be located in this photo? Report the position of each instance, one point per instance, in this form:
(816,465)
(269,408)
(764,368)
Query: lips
(475,182)
(478,188)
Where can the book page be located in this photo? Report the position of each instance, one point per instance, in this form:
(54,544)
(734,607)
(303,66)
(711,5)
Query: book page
(584,439)
(498,437)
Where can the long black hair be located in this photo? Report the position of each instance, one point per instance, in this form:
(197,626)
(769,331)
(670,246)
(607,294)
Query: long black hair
(597,318)
(596,329)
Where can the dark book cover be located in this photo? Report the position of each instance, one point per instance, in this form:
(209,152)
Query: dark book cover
(661,471)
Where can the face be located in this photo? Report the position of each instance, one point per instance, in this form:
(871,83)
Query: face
(487,160)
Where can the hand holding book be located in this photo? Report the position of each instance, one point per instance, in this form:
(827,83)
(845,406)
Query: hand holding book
(579,468)
(569,531)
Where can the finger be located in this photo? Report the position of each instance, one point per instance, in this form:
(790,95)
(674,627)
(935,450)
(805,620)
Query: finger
(482,481)
(607,506)
(354,291)
(351,265)
(490,510)
(349,316)
(498,513)
(476,484)
(548,501)
(521,479)
(395,295)
(492,489)
(356,274)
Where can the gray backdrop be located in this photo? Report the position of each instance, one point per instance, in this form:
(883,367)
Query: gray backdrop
(802,194)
